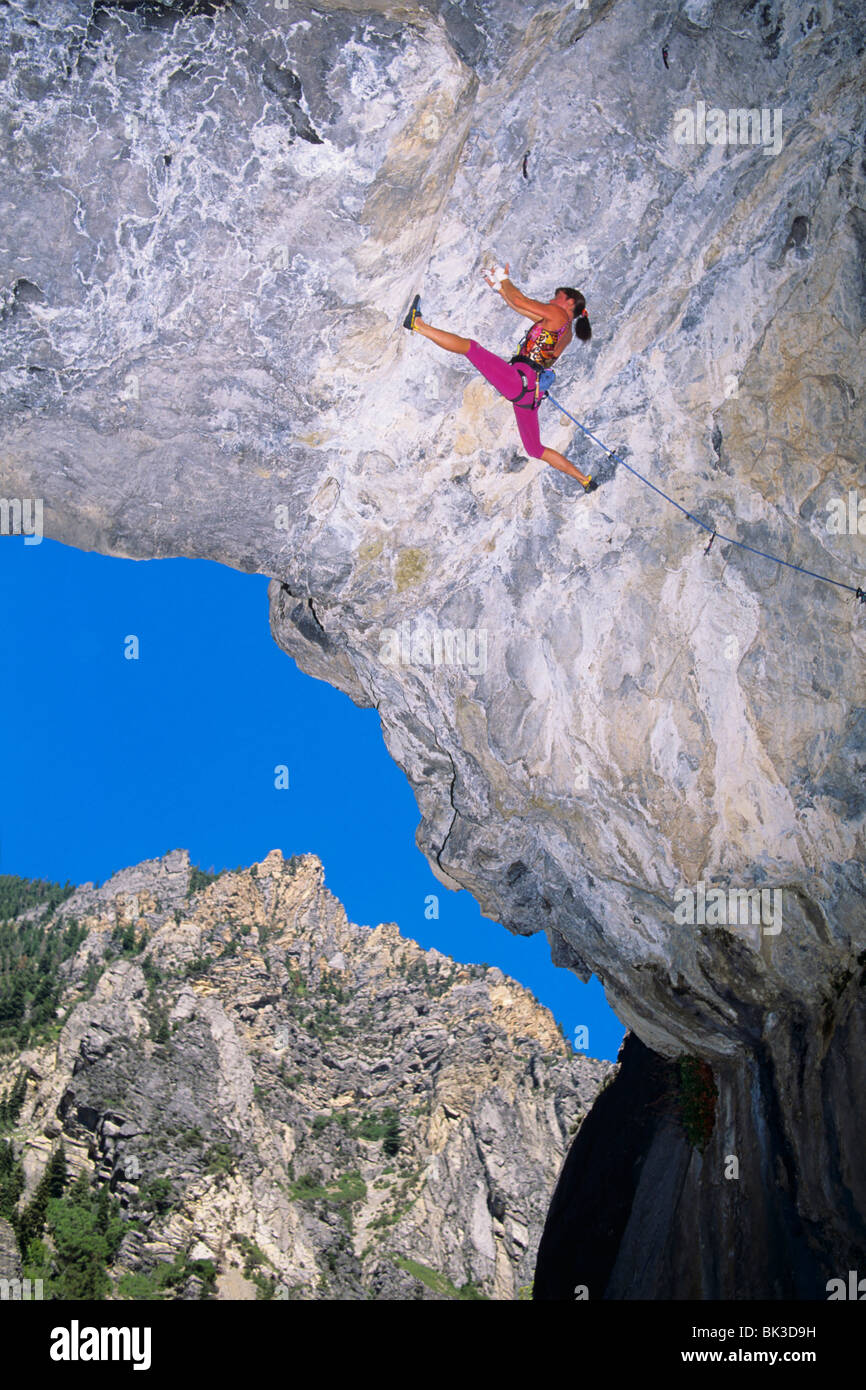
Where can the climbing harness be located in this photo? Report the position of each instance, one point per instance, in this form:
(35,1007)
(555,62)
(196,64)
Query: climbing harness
(529,386)
(728,540)
(540,387)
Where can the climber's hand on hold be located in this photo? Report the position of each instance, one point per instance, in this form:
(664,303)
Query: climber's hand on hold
(495,277)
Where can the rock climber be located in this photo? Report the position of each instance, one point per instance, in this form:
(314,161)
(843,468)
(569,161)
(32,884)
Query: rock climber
(553,326)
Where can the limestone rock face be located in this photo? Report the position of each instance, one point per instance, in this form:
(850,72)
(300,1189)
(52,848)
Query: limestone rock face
(215,217)
(323,1109)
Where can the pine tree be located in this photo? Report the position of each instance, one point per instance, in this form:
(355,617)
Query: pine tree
(57,1172)
(391,1141)
(11,1180)
(82,1250)
(31,1221)
(10,1105)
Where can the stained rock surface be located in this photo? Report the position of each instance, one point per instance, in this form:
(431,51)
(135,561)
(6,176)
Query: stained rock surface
(214,217)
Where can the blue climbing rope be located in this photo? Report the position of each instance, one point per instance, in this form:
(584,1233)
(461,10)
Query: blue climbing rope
(728,540)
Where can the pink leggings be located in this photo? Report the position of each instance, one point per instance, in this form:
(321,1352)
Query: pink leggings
(508,382)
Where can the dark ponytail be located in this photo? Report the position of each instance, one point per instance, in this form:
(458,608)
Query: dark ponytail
(582,327)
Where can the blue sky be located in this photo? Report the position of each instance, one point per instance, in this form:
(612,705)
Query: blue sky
(109,761)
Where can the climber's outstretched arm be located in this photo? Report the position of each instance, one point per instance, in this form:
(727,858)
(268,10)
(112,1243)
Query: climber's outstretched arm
(529,308)
(521,303)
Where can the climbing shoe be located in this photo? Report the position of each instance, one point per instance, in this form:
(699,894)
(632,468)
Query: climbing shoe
(591,486)
(413,314)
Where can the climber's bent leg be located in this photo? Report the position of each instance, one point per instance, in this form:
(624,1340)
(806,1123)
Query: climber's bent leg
(561,462)
(527,423)
(510,383)
(451,342)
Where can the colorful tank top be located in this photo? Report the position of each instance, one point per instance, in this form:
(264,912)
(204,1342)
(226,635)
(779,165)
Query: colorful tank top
(539,345)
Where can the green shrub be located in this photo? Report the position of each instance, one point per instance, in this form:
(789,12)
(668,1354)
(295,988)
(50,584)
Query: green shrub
(371,1127)
(157,1195)
(152,974)
(157,1019)
(220,1158)
(347,1188)
(297,984)
(199,879)
(385,1126)
(391,1141)
(439,1283)
(142,1287)
(124,939)
(158,1283)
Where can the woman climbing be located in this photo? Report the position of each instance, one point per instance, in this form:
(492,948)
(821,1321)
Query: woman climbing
(518,380)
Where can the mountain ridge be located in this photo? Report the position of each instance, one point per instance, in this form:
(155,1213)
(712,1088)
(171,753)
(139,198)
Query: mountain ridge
(252,1072)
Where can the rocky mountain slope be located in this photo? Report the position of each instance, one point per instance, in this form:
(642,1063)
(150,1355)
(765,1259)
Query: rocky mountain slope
(214,218)
(282,1102)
